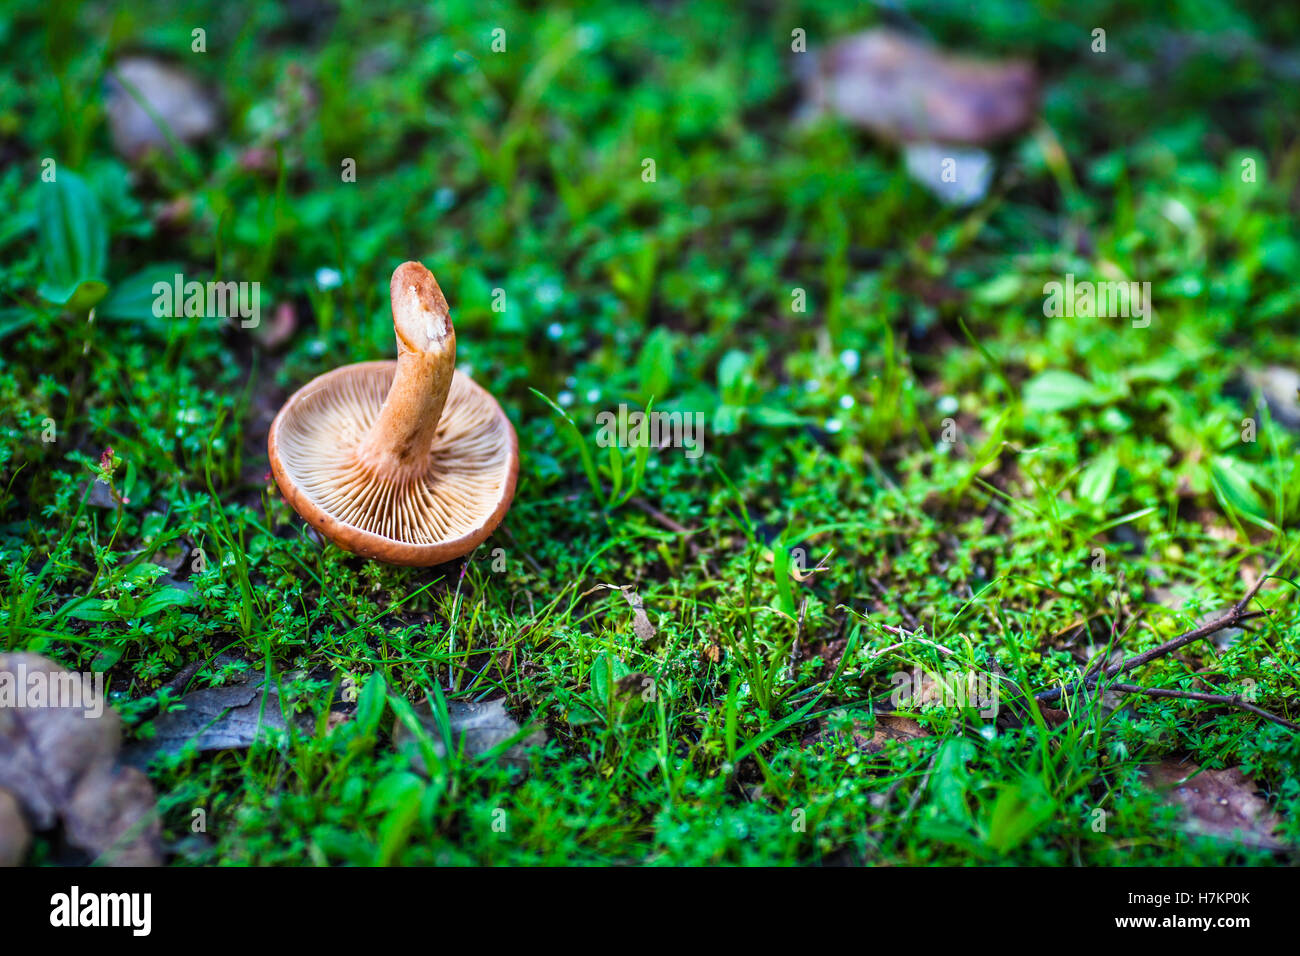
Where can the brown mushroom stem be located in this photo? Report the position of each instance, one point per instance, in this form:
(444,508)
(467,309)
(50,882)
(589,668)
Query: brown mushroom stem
(399,441)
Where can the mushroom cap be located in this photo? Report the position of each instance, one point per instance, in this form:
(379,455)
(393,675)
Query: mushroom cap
(438,516)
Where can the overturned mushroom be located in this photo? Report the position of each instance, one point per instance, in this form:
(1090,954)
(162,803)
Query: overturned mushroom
(408,462)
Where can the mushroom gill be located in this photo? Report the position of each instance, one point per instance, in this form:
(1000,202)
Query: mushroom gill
(467,467)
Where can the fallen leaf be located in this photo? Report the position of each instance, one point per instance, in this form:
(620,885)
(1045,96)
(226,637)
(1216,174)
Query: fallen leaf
(907,91)
(474,727)
(872,738)
(636,684)
(1053,717)
(172,95)
(45,751)
(175,214)
(101,496)
(58,758)
(112,811)
(1218,803)
(271,335)
(891,728)
(14,832)
(1278,388)
(641,625)
(338,715)
(232,717)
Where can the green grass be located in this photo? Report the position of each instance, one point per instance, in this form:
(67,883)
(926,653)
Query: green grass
(522,172)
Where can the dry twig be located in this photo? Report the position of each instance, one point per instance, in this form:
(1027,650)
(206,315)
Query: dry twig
(1226,700)
(1234,617)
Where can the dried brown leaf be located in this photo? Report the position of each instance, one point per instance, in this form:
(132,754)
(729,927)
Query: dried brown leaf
(890,728)
(906,90)
(58,760)
(169,94)
(872,738)
(112,810)
(15,835)
(215,718)
(284,322)
(45,751)
(476,727)
(641,625)
(1218,803)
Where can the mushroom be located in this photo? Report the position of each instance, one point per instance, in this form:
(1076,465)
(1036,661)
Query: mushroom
(408,462)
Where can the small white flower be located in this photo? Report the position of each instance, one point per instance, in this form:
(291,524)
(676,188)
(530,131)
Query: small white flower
(851,360)
(566,398)
(555,330)
(833,425)
(948,405)
(846,401)
(327,278)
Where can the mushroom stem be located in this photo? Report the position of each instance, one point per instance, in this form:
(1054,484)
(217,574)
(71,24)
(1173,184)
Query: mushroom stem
(399,441)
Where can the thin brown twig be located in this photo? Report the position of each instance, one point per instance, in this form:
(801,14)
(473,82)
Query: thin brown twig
(1233,618)
(660,517)
(674,526)
(1100,659)
(1226,700)
(798,635)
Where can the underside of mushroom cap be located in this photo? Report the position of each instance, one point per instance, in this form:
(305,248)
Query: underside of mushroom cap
(431,515)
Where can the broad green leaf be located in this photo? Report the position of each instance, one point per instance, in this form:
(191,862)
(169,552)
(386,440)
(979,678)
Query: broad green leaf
(582,715)
(1164,369)
(162,599)
(999,291)
(726,419)
(133,298)
(605,669)
(87,609)
(1099,477)
(394,790)
(731,371)
(85,296)
(73,240)
(950,779)
(370,705)
(106,658)
(1232,486)
(1056,391)
(1017,813)
(615,471)
(781,568)
(771,417)
(655,365)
